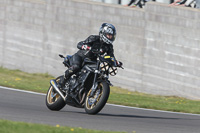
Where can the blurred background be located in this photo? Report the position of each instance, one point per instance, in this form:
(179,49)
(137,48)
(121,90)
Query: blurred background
(124,2)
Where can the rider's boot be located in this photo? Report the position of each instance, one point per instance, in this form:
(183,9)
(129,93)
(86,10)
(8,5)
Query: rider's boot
(63,80)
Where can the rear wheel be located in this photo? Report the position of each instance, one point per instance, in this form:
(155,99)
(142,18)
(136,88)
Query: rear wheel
(53,99)
(95,103)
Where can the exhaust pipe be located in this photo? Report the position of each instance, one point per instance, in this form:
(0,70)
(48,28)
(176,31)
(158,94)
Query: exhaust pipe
(54,84)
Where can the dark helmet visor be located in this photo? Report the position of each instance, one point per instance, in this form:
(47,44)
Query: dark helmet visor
(110,36)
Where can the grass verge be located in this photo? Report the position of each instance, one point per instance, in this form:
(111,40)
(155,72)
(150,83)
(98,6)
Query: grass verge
(21,127)
(40,83)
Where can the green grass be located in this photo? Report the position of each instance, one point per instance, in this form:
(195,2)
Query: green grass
(21,127)
(40,83)
(26,81)
(168,103)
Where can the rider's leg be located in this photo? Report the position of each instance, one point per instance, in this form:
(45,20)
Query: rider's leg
(75,67)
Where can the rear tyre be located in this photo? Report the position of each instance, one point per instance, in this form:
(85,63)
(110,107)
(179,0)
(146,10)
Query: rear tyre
(96,103)
(53,99)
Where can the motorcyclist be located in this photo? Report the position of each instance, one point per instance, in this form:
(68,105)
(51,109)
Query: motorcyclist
(103,42)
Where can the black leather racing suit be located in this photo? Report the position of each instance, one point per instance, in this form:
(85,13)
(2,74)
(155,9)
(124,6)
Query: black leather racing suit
(92,41)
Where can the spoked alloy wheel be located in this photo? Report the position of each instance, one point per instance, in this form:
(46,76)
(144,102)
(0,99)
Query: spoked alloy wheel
(52,96)
(53,99)
(95,104)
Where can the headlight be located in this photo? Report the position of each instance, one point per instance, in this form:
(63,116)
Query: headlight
(104,66)
(113,71)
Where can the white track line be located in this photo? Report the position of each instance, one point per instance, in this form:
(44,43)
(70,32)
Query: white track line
(153,110)
(31,92)
(12,89)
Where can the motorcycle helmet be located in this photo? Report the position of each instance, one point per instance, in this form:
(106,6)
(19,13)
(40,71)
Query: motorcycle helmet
(107,33)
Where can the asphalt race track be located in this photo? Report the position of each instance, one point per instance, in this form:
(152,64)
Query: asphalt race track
(30,107)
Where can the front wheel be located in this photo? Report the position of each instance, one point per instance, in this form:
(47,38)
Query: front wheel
(53,99)
(95,103)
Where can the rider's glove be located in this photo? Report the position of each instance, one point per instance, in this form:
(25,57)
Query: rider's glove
(119,63)
(85,47)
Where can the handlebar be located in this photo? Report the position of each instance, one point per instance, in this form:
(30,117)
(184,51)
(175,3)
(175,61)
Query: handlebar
(121,67)
(94,51)
(61,56)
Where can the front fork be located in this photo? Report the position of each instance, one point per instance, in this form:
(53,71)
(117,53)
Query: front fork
(95,83)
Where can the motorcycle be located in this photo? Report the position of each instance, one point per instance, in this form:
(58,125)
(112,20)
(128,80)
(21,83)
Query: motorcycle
(88,88)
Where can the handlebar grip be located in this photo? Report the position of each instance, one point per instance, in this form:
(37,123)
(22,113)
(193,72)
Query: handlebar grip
(61,56)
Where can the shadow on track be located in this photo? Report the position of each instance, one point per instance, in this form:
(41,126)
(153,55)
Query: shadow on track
(121,115)
(134,116)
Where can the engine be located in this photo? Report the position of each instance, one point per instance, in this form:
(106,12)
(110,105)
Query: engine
(72,81)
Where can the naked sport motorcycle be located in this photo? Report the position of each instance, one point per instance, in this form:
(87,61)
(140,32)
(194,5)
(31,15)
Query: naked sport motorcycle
(88,88)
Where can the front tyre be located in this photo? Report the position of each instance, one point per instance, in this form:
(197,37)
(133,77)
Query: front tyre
(53,99)
(95,104)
